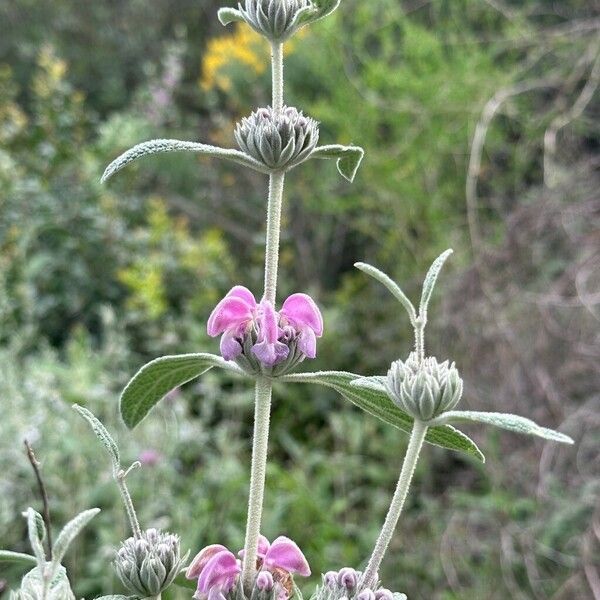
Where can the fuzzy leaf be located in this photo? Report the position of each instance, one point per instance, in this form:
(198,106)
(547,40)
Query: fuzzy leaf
(229,15)
(322,8)
(160,146)
(378,404)
(504,421)
(391,285)
(102,434)
(36,529)
(157,378)
(17,557)
(69,533)
(348,158)
(430,281)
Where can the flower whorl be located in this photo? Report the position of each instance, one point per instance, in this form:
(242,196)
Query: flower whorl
(277,20)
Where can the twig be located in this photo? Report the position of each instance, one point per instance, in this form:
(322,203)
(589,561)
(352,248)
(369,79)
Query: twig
(46,510)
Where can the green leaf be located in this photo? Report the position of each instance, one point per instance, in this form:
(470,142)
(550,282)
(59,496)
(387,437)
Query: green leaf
(504,421)
(379,405)
(323,8)
(229,15)
(37,533)
(69,533)
(182,581)
(348,158)
(17,557)
(102,434)
(160,146)
(391,285)
(430,281)
(157,378)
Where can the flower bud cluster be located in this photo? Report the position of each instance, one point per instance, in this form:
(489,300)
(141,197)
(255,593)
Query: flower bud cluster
(277,20)
(278,139)
(148,565)
(424,390)
(345,584)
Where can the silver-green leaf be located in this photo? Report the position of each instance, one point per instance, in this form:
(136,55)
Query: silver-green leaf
(69,533)
(510,422)
(36,529)
(102,434)
(229,15)
(6,556)
(348,158)
(157,378)
(392,286)
(430,281)
(161,146)
(378,404)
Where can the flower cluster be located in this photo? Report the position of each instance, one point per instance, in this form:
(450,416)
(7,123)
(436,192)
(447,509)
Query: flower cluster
(346,584)
(148,565)
(424,390)
(277,139)
(275,19)
(218,570)
(262,340)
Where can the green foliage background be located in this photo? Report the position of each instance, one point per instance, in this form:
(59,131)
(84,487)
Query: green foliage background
(94,281)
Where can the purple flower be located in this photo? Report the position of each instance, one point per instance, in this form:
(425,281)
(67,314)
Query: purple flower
(217,569)
(258,337)
(149,457)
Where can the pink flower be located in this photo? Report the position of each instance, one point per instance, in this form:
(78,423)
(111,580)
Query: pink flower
(256,335)
(217,569)
(149,457)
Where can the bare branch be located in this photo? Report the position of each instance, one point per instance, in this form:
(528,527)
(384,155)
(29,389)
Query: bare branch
(43,493)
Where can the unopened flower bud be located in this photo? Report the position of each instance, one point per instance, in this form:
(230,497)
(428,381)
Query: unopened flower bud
(330,579)
(275,19)
(424,390)
(264,581)
(366,594)
(384,594)
(348,578)
(148,565)
(278,139)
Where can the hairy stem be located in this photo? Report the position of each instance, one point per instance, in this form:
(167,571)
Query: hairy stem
(420,339)
(387,531)
(277,75)
(276,182)
(262,411)
(128,502)
(264,388)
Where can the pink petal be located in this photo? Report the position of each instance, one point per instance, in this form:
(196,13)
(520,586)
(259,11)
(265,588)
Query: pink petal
(301,311)
(263,547)
(220,571)
(270,354)
(285,554)
(239,291)
(268,328)
(230,347)
(307,342)
(230,313)
(201,559)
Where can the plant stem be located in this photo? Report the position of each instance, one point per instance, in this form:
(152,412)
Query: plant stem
(43,493)
(276,182)
(133,520)
(277,75)
(262,411)
(408,468)
(264,388)
(420,339)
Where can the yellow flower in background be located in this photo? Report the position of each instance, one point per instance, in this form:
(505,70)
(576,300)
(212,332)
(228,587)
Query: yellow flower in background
(244,48)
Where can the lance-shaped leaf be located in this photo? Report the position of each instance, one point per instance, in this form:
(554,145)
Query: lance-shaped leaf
(102,434)
(157,378)
(391,285)
(6,556)
(229,15)
(430,281)
(503,421)
(321,9)
(378,404)
(161,146)
(348,158)
(69,532)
